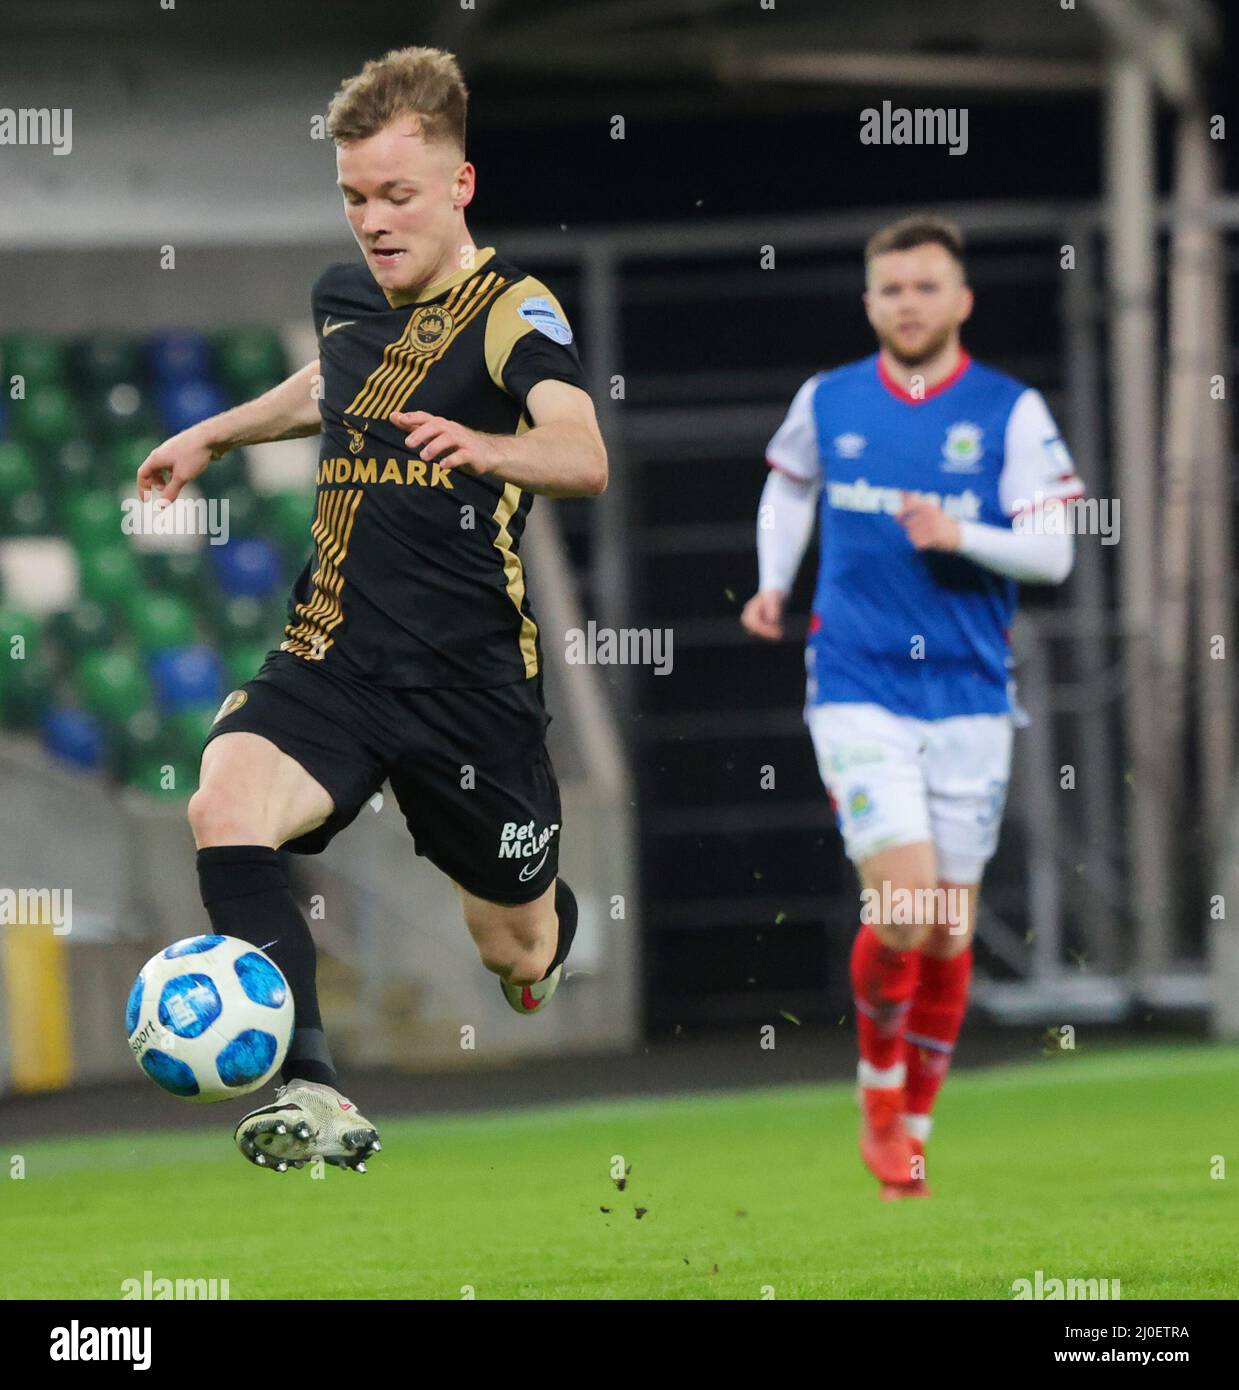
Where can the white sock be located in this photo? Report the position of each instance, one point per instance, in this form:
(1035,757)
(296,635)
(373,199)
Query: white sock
(870,1076)
(919,1126)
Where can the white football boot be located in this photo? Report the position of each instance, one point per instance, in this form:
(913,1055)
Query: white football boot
(308,1120)
(529,999)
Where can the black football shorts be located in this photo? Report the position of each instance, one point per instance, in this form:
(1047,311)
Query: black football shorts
(469,768)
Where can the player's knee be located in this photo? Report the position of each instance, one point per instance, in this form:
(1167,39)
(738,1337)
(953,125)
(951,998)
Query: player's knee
(215,819)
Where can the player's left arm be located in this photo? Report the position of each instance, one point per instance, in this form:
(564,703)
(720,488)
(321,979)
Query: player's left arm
(1038,478)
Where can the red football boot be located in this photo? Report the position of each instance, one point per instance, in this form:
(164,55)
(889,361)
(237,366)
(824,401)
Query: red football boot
(885,1145)
(914,1187)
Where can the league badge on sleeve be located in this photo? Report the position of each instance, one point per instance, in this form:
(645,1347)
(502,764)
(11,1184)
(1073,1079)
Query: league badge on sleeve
(545,318)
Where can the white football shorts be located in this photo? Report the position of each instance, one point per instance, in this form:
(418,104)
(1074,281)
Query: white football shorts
(895,780)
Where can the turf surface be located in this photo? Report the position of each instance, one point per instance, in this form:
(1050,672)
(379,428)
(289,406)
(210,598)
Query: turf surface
(1081,1164)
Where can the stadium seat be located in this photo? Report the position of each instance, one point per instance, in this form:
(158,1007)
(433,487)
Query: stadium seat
(109,573)
(26,514)
(242,664)
(112,684)
(15,623)
(39,360)
(74,736)
(73,466)
(247,568)
(250,360)
(184,403)
(188,728)
(178,356)
(248,622)
(86,627)
(92,519)
(25,692)
(289,516)
(48,417)
(125,457)
(106,360)
(120,412)
(187,676)
(181,572)
(159,621)
(17,469)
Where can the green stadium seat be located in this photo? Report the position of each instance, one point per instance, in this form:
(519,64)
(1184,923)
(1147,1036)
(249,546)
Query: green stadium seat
(109,573)
(250,360)
(125,457)
(189,728)
(47,418)
(289,515)
(93,519)
(148,776)
(158,621)
(18,473)
(224,475)
(27,514)
(25,692)
(119,412)
(242,664)
(85,627)
(15,624)
(72,467)
(182,572)
(105,360)
(138,738)
(40,360)
(112,684)
(247,622)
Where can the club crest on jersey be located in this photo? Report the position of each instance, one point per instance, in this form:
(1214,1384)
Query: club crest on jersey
(963,449)
(429,327)
(850,446)
(356,440)
(860,803)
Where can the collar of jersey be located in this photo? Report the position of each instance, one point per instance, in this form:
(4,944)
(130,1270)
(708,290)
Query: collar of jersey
(424,296)
(944,385)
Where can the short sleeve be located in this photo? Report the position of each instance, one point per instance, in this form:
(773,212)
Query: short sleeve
(529,339)
(794,449)
(1036,466)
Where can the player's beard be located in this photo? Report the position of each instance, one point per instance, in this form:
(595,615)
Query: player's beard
(926,354)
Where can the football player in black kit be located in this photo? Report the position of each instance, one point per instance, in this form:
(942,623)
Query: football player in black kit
(448,392)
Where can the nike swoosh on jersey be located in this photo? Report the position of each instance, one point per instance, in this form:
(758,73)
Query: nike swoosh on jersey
(329,328)
(530,869)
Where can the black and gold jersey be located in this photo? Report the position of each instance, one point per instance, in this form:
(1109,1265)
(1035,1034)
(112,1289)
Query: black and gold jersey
(417,579)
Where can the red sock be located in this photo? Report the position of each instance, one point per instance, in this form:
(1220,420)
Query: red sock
(883,981)
(932,1025)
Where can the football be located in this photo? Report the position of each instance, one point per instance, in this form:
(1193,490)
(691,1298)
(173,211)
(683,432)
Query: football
(209,1018)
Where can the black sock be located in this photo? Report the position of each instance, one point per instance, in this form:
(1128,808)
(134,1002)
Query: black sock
(566,911)
(246,894)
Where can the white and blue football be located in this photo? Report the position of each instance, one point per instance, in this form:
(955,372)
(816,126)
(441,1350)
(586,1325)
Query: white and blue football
(209,1018)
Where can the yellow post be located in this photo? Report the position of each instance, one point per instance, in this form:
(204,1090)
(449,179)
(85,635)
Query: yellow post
(36,980)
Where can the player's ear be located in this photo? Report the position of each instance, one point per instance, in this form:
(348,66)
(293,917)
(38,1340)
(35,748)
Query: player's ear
(464,185)
(966,301)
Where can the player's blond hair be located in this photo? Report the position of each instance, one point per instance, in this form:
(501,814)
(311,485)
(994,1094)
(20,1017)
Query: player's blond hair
(422,82)
(921,229)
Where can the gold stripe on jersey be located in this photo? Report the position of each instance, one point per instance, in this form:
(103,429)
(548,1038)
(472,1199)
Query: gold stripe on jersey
(404,365)
(514,573)
(333,525)
(505,327)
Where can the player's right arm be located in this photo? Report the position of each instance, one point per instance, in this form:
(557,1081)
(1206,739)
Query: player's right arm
(785,514)
(287,411)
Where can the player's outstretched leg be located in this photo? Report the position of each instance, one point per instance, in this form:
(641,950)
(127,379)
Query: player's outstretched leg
(251,798)
(525,945)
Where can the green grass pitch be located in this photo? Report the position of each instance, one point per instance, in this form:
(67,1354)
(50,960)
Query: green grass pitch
(1087,1164)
